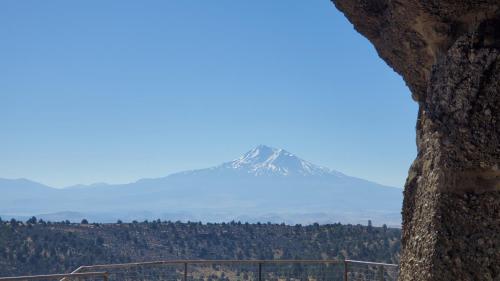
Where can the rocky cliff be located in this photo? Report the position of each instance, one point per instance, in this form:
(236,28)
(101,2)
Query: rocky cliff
(448,52)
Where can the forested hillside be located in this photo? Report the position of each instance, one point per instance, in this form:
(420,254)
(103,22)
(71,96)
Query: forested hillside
(34,247)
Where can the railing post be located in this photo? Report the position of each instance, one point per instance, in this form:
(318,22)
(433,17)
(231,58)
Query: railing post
(381,273)
(260,271)
(345,270)
(185,271)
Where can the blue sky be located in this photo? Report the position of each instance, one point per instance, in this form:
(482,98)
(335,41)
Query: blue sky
(113,91)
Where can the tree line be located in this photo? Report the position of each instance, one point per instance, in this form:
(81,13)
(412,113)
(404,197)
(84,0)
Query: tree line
(37,246)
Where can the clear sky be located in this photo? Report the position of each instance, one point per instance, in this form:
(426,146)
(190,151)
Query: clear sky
(113,91)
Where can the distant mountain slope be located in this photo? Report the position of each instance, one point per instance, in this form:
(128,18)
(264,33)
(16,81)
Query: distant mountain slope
(264,160)
(12,187)
(264,183)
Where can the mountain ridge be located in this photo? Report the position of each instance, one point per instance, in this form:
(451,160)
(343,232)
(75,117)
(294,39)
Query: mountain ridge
(265,182)
(244,163)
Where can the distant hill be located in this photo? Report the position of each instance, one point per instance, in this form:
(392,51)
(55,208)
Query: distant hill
(38,248)
(264,184)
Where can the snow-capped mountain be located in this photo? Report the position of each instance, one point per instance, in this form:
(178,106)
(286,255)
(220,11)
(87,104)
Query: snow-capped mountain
(265,160)
(264,182)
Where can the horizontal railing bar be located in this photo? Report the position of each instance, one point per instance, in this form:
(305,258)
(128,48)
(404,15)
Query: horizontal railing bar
(371,263)
(72,272)
(121,265)
(54,276)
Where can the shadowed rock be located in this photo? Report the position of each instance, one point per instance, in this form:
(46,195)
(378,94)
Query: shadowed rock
(448,52)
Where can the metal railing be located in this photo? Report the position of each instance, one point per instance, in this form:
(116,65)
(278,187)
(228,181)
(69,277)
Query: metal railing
(69,276)
(237,270)
(363,270)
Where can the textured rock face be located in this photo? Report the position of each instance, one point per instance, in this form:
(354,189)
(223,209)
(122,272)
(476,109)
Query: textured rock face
(449,54)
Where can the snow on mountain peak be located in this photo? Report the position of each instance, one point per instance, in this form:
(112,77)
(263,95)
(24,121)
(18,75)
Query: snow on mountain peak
(265,160)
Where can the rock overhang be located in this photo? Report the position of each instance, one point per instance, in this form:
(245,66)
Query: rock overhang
(448,52)
(412,35)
